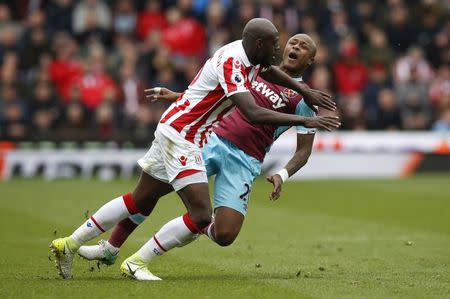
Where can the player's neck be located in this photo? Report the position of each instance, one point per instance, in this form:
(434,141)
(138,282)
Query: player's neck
(251,53)
(291,73)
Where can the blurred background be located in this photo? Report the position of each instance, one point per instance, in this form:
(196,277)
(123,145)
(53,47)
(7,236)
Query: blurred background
(73,71)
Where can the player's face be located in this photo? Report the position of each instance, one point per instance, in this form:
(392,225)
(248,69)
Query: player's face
(297,54)
(270,51)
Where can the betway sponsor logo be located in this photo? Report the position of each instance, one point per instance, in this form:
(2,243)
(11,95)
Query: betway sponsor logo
(272,96)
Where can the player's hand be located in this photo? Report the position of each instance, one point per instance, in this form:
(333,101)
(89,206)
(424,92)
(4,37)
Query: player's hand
(276,182)
(160,93)
(314,97)
(328,123)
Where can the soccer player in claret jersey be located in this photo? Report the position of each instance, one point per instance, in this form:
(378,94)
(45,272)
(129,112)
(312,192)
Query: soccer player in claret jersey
(174,161)
(245,146)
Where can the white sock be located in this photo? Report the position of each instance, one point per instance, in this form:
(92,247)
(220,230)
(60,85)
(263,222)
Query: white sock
(174,233)
(105,218)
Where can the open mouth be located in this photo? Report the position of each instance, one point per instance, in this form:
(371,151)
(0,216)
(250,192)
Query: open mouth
(293,55)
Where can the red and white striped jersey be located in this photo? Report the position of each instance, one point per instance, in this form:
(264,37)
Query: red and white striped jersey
(204,104)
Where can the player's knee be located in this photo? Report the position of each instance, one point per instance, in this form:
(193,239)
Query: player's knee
(201,219)
(225,237)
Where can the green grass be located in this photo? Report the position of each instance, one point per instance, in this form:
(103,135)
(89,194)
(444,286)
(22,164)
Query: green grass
(322,239)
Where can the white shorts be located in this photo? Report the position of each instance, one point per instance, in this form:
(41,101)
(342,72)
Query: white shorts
(173,159)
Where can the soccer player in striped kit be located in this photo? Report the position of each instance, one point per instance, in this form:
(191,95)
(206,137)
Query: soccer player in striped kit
(174,162)
(234,154)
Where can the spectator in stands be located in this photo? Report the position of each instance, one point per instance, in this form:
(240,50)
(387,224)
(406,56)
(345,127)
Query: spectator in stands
(146,123)
(45,110)
(350,72)
(92,18)
(125,17)
(66,68)
(216,30)
(105,121)
(75,122)
(8,40)
(401,31)
(429,19)
(337,30)
(308,24)
(147,53)
(96,85)
(131,94)
(413,59)
(404,46)
(378,51)
(151,19)
(388,114)
(352,112)
(412,97)
(184,35)
(442,124)
(378,80)
(321,78)
(34,43)
(245,12)
(439,49)
(281,10)
(13,114)
(439,91)
(59,15)
(5,15)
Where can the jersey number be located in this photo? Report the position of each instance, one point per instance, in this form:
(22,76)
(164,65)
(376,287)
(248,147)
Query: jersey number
(244,196)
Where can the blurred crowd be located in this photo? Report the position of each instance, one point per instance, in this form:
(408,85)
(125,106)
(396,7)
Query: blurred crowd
(76,69)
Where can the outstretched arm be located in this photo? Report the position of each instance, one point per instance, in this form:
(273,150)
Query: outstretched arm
(259,115)
(312,97)
(298,160)
(161,93)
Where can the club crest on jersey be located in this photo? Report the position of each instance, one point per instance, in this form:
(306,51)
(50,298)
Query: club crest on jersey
(289,93)
(182,160)
(236,64)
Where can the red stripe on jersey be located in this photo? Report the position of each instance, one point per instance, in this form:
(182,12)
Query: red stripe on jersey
(209,128)
(227,73)
(201,108)
(190,135)
(176,109)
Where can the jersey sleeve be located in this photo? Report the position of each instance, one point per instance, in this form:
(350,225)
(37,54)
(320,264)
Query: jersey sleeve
(303,110)
(232,77)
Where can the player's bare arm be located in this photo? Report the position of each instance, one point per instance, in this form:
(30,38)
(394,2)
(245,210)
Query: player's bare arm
(298,160)
(254,113)
(312,96)
(259,115)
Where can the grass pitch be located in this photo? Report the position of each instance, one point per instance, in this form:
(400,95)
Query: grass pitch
(321,239)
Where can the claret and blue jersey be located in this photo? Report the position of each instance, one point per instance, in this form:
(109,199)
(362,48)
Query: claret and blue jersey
(256,140)
(235,152)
